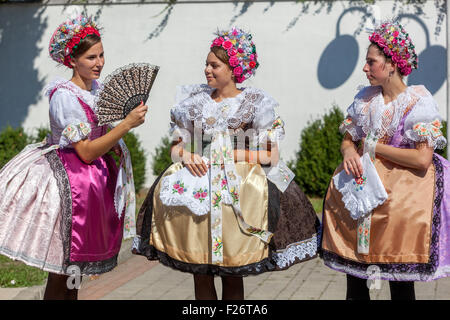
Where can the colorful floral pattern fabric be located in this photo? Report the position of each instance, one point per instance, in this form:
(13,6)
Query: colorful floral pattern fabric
(77,132)
(68,37)
(241,52)
(395,42)
(179,187)
(429,129)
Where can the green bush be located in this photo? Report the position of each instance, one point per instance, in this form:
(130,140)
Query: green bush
(12,141)
(42,132)
(161,158)
(443,152)
(138,159)
(319,153)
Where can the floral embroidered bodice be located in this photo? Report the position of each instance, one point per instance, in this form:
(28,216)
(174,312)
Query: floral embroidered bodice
(414,109)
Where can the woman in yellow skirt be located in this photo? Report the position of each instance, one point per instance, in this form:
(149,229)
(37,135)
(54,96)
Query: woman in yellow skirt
(230,208)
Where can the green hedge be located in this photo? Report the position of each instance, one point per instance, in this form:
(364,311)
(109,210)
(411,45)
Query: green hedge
(12,141)
(138,159)
(161,158)
(443,152)
(319,153)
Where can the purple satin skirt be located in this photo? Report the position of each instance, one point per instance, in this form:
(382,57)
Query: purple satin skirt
(96,227)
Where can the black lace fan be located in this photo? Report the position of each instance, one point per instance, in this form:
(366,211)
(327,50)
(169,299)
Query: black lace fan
(123,90)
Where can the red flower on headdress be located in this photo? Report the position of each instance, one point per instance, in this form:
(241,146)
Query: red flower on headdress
(75,40)
(239,79)
(252,64)
(238,71)
(232,52)
(217,42)
(233,61)
(227,45)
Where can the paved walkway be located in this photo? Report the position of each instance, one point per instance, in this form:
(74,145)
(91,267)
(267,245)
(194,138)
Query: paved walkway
(139,279)
(136,278)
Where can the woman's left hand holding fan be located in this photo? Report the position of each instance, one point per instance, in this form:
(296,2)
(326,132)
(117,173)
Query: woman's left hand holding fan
(137,116)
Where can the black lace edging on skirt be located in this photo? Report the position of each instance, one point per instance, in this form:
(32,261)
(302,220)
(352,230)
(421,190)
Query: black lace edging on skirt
(251,269)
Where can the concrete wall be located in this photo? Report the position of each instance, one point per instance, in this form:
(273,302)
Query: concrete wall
(311,54)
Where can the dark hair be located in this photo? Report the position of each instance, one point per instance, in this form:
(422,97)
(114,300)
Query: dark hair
(85,45)
(387,58)
(221,54)
(380,51)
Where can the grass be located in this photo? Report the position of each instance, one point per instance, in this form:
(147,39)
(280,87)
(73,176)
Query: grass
(14,274)
(317,204)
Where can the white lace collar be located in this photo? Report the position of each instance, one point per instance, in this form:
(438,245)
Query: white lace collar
(372,114)
(231,112)
(89,97)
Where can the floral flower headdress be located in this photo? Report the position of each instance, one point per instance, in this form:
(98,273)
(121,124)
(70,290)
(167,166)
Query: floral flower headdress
(240,50)
(392,38)
(68,36)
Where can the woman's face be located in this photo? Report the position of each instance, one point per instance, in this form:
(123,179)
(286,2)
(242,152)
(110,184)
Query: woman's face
(377,69)
(89,65)
(218,74)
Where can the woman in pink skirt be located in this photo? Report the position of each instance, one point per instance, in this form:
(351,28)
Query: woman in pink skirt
(59,199)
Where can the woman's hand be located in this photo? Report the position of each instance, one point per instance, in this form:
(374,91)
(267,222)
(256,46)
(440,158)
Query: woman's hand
(352,163)
(137,116)
(194,163)
(89,150)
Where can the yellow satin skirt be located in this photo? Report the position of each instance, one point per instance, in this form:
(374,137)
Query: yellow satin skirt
(185,237)
(401,227)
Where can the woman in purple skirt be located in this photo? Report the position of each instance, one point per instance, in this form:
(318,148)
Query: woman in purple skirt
(402,236)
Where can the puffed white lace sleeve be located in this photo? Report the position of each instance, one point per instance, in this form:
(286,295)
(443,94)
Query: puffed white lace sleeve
(68,120)
(269,126)
(184,111)
(424,124)
(357,121)
(180,127)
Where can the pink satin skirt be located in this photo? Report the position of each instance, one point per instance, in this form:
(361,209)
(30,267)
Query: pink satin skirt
(96,227)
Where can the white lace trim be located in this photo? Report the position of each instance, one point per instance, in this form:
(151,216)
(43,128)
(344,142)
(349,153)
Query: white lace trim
(168,199)
(369,113)
(274,134)
(296,251)
(434,142)
(89,97)
(280,175)
(360,200)
(441,272)
(30,261)
(191,185)
(228,113)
